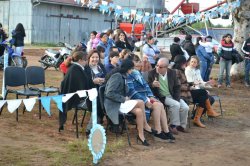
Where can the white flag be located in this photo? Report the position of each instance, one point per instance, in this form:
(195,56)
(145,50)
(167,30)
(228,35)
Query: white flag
(13,104)
(81,93)
(29,103)
(92,94)
(2,102)
(67,97)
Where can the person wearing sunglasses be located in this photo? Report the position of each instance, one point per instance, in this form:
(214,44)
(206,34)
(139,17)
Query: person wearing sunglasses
(166,86)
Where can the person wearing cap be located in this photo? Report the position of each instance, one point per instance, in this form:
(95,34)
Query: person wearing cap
(246,50)
(151,51)
(166,86)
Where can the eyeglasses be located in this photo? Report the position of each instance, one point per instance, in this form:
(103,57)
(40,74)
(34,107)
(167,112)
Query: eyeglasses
(161,66)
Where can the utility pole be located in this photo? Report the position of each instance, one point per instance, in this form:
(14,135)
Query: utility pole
(153,20)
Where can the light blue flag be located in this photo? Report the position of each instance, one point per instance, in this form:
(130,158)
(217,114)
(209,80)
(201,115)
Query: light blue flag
(46,104)
(58,101)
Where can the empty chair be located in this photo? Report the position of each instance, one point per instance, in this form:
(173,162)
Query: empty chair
(36,76)
(16,77)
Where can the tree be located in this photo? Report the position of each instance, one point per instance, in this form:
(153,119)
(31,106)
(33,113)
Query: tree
(241,18)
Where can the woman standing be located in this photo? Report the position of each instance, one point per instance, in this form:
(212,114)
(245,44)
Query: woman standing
(116,101)
(225,52)
(3,37)
(18,38)
(151,51)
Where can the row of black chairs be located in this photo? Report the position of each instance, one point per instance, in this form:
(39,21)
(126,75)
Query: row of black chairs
(123,117)
(16,77)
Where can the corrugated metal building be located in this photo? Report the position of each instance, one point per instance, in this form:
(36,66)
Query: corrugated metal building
(52,21)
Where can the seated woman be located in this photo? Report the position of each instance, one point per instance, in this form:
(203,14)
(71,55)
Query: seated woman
(199,95)
(115,99)
(97,73)
(121,42)
(138,88)
(113,61)
(75,79)
(67,62)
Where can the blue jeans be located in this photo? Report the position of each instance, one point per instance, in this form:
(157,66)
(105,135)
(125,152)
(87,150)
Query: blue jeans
(203,69)
(225,65)
(247,69)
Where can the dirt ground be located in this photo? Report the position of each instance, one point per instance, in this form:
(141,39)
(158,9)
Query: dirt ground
(225,140)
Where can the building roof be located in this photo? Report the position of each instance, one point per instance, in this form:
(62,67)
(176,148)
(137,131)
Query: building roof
(65,2)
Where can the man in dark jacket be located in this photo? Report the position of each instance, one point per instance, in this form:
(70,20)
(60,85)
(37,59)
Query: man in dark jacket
(175,49)
(188,45)
(246,50)
(166,86)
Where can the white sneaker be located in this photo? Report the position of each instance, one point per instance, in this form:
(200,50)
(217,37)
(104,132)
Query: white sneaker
(246,84)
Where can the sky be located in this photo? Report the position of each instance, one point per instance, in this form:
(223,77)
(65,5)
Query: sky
(171,4)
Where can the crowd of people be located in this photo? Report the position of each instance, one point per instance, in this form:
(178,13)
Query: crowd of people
(152,87)
(148,87)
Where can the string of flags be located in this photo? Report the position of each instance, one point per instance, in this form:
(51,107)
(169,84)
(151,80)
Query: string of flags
(13,104)
(145,17)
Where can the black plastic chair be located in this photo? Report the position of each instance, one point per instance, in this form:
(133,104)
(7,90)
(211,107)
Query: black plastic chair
(81,106)
(15,77)
(36,76)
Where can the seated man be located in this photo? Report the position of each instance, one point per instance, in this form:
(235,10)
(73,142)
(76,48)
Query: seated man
(166,86)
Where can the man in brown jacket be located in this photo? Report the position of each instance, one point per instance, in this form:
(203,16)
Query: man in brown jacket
(166,86)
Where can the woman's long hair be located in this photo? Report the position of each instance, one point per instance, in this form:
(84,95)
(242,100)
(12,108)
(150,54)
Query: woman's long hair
(20,29)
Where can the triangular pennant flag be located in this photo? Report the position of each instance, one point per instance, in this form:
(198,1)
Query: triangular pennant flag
(81,93)
(13,104)
(2,102)
(92,94)
(29,103)
(67,97)
(46,103)
(58,101)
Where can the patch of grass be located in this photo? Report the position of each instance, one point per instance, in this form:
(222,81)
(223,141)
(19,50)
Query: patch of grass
(78,153)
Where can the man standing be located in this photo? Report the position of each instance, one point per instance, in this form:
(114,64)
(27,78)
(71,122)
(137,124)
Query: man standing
(166,86)
(246,50)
